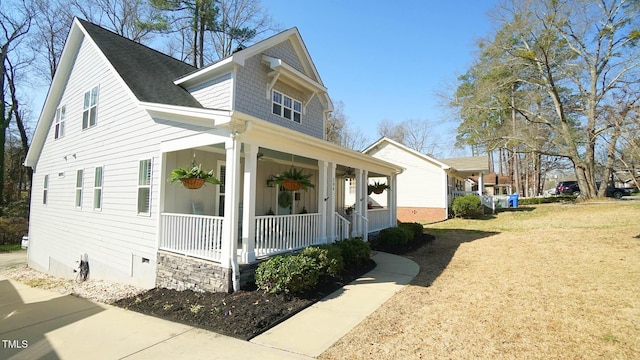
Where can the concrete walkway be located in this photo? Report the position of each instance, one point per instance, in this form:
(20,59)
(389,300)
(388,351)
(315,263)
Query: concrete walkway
(40,324)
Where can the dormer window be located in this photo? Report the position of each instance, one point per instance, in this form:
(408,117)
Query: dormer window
(286,107)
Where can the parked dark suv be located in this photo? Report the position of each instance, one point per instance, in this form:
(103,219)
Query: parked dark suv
(571,188)
(567,188)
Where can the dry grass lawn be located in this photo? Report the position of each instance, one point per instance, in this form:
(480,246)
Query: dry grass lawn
(557,281)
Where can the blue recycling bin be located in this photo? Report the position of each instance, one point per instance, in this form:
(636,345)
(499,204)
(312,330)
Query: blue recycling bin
(513,200)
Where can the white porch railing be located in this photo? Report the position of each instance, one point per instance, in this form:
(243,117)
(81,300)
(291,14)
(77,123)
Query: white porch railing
(342,227)
(378,219)
(194,235)
(280,233)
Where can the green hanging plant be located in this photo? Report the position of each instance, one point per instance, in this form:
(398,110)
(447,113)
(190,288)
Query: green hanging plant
(294,180)
(193,177)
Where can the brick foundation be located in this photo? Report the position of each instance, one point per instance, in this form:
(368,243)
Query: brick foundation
(421,215)
(181,272)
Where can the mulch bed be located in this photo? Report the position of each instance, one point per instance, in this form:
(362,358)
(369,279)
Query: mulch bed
(248,312)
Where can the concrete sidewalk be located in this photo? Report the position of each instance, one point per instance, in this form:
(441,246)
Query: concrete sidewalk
(40,324)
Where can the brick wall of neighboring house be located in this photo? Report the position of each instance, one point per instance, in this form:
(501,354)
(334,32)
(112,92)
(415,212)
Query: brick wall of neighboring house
(421,215)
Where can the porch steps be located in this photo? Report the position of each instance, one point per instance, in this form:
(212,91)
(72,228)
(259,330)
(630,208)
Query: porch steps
(316,328)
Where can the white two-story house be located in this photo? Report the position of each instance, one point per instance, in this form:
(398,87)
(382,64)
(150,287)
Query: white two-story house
(119,117)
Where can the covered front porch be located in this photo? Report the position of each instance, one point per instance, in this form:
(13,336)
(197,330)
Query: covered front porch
(249,217)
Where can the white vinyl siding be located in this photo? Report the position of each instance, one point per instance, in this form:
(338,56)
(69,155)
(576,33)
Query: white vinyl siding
(45,189)
(90,107)
(79,181)
(59,121)
(97,188)
(144,187)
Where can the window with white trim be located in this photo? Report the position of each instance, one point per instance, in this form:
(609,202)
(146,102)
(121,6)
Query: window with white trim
(90,108)
(60,116)
(144,187)
(45,189)
(97,188)
(286,107)
(79,176)
(222,176)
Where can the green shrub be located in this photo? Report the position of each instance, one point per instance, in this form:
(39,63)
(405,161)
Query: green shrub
(414,230)
(545,200)
(467,206)
(12,230)
(294,274)
(328,258)
(393,236)
(354,251)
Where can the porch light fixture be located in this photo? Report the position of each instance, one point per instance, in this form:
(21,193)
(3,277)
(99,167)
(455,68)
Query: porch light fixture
(270,181)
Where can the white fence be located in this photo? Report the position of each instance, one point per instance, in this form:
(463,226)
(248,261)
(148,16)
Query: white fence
(280,233)
(193,235)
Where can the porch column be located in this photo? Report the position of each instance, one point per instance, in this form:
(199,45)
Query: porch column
(331,203)
(480,184)
(355,219)
(231,204)
(364,205)
(249,204)
(392,200)
(322,199)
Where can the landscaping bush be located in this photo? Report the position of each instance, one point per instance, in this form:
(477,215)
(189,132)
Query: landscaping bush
(328,257)
(467,206)
(12,230)
(393,236)
(545,200)
(414,230)
(294,274)
(354,251)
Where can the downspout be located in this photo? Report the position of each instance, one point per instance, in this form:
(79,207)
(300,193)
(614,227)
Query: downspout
(235,267)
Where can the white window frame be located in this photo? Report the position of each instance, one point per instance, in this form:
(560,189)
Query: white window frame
(79,190)
(90,108)
(144,184)
(45,189)
(286,106)
(222,188)
(97,187)
(59,121)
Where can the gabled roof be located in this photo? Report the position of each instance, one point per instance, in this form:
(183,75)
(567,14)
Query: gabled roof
(385,140)
(147,72)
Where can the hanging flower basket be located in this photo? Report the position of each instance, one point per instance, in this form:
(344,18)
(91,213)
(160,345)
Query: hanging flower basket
(293,180)
(193,183)
(377,188)
(193,177)
(291,185)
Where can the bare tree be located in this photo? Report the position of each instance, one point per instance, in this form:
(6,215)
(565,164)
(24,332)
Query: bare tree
(15,22)
(414,134)
(554,67)
(338,130)
(240,21)
(53,20)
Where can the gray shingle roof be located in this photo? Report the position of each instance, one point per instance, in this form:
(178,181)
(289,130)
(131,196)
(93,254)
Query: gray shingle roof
(148,73)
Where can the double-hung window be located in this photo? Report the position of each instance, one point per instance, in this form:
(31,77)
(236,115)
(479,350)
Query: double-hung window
(286,107)
(97,189)
(89,112)
(45,189)
(144,186)
(60,115)
(79,175)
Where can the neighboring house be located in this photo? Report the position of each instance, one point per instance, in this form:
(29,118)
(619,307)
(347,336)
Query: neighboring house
(119,117)
(494,184)
(427,187)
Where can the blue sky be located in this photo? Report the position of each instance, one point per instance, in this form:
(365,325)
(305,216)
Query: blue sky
(389,60)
